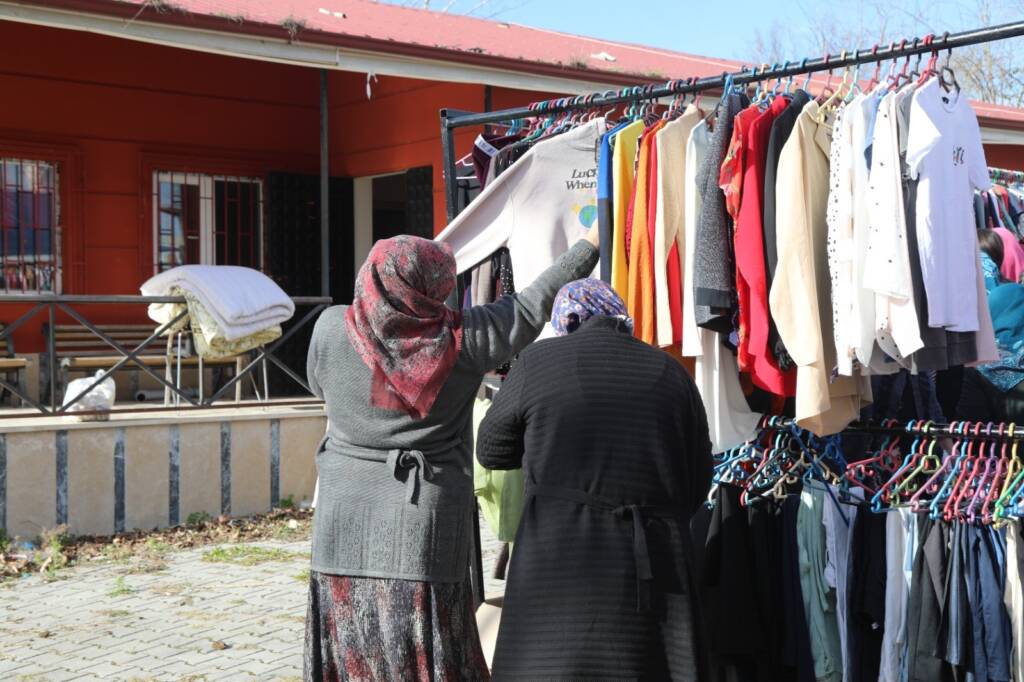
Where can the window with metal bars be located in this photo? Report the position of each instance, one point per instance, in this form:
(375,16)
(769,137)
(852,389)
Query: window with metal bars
(207,219)
(30,223)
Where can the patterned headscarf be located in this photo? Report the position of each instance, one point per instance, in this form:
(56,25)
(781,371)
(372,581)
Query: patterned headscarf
(578,301)
(399,323)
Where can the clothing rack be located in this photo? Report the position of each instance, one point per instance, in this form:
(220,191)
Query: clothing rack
(452,118)
(1002,174)
(958,430)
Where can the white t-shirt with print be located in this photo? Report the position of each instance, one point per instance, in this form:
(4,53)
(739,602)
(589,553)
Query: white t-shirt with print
(538,208)
(944,152)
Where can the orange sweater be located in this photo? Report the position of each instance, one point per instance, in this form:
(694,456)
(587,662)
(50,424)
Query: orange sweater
(640,295)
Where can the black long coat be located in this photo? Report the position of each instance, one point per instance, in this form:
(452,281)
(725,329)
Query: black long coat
(614,442)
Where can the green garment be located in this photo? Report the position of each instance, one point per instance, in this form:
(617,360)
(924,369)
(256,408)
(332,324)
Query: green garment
(819,598)
(500,493)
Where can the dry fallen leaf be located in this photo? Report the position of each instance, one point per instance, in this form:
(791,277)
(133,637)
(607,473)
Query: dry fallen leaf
(219,645)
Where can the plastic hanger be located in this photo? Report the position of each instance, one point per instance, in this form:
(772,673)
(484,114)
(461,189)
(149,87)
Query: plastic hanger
(995,488)
(772,456)
(854,88)
(963,484)
(878,68)
(884,493)
(1013,471)
(945,71)
(986,482)
(934,484)
(927,465)
(1012,492)
(758,97)
(944,497)
(929,69)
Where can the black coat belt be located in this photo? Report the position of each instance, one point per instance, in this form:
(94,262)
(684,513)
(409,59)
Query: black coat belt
(637,512)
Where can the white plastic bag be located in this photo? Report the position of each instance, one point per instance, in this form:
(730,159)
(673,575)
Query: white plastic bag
(99,398)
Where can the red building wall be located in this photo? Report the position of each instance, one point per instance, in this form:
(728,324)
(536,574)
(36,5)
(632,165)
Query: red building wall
(112,111)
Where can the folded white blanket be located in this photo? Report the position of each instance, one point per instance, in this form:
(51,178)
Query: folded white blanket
(243,301)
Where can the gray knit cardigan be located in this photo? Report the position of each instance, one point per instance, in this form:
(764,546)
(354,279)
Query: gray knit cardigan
(396,493)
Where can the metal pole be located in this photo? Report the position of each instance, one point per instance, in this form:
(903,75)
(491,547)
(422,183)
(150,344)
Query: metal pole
(51,352)
(875,53)
(325,226)
(451,185)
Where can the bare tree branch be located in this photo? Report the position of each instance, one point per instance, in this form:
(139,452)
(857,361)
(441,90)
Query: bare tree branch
(991,71)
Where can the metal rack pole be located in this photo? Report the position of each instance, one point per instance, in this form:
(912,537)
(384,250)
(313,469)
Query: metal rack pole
(876,53)
(452,119)
(956,430)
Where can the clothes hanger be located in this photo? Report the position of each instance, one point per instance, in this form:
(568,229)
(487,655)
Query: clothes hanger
(929,69)
(826,90)
(934,484)
(778,80)
(1013,469)
(995,488)
(854,88)
(916,71)
(878,69)
(1006,503)
(831,102)
(938,506)
(927,465)
(963,484)
(884,493)
(775,453)
(952,83)
(873,469)
(757,98)
(1014,507)
(987,482)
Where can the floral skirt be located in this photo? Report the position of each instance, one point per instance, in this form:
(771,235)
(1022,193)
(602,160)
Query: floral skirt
(380,630)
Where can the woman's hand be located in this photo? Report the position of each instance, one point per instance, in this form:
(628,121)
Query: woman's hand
(594,235)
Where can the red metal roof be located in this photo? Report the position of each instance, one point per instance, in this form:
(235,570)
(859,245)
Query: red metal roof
(392,29)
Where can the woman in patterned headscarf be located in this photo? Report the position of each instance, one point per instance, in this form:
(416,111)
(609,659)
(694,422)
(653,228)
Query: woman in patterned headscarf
(399,371)
(578,301)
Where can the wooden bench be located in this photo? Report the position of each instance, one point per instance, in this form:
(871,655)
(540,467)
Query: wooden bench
(79,350)
(12,368)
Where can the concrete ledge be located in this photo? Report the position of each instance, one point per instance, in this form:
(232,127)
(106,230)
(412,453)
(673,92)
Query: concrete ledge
(213,414)
(142,471)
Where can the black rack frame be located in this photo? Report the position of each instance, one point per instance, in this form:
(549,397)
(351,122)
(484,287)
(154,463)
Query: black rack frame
(1001,174)
(963,430)
(451,119)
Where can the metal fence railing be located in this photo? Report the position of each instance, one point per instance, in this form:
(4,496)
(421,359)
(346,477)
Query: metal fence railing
(130,355)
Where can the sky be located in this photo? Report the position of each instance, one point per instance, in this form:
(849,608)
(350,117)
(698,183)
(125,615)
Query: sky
(730,28)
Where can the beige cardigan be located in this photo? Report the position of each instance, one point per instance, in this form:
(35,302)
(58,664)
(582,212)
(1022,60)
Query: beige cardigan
(799,297)
(669,213)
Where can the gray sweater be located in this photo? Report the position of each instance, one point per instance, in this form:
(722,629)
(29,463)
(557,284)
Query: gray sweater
(396,493)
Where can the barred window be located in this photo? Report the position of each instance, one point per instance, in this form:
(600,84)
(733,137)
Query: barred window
(30,221)
(207,219)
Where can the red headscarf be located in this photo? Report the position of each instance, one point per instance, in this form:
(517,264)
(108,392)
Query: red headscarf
(400,326)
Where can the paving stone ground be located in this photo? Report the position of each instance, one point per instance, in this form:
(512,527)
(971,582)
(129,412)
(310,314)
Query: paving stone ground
(97,623)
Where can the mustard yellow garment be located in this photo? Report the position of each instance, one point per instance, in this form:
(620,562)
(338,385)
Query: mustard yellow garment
(623,175)
(640,289)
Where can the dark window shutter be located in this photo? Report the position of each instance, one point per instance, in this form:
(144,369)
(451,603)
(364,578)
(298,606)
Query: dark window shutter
(420,202)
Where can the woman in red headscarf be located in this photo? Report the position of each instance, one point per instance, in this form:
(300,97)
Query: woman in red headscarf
(399,371)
